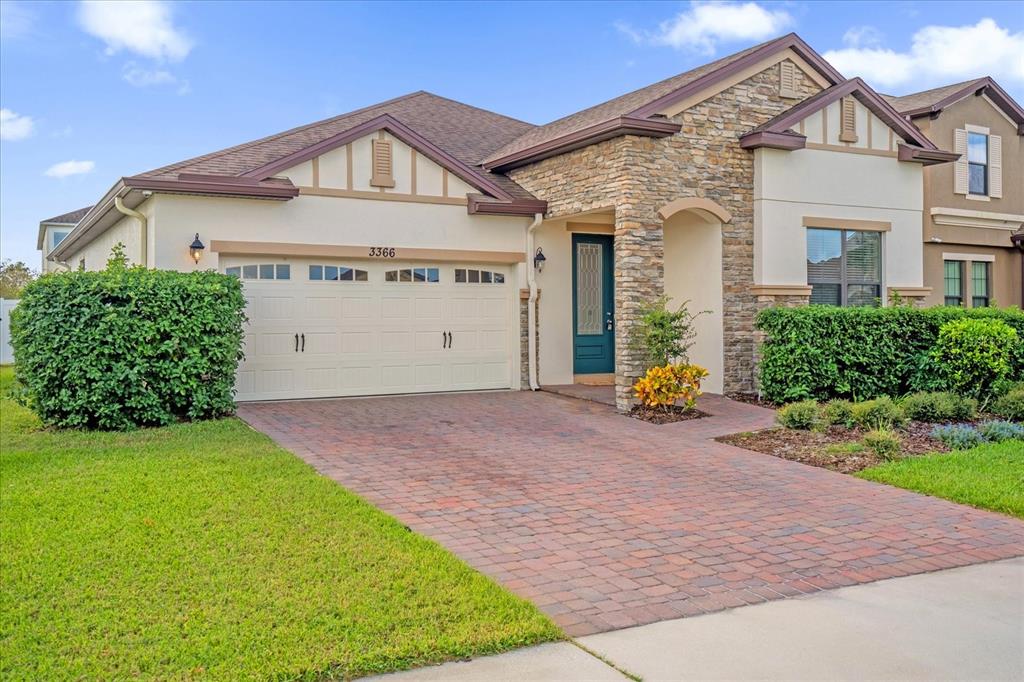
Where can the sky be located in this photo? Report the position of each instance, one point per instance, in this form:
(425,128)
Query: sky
(93,91)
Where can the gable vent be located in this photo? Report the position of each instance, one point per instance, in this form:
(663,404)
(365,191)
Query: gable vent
(848,122)
(383,175)
(787,79)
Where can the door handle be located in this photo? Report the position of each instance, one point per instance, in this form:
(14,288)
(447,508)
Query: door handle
(444,339)
(303,342)
(296,343)
(449,340)
(609,322)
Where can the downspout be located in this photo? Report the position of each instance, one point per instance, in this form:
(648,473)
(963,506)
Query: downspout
(1018,241)
(143,225)
(531,310)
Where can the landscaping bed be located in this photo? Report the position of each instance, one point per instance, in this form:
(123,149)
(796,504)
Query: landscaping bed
(836,448)
(666,415)
(203,550)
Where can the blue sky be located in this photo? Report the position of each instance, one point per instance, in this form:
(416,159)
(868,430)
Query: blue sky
(91,92)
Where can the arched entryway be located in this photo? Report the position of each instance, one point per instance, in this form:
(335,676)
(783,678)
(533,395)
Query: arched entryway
(693,272)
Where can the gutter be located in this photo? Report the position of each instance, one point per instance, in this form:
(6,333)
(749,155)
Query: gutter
(143,229)
(531,311)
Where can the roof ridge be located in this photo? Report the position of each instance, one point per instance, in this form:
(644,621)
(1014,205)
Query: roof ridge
(275,136)
(473,106)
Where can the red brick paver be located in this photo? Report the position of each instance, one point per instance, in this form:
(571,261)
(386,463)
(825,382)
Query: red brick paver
(607,522)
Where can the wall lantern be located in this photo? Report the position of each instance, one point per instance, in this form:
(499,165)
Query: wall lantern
(195,249)
(539,259)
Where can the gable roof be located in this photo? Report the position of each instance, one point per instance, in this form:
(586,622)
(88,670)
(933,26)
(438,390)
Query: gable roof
(777,133)
(636,108)
(69,218)
(463,132)
(932,102)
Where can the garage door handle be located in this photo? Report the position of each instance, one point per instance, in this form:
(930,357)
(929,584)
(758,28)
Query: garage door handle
(449,339)
(296,343)
(303,342)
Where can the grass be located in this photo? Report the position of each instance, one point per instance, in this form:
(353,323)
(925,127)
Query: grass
(205,551)
(989,476)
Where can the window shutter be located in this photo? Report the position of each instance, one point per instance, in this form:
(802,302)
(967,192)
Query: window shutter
(382,173)
(848,120)
(995,166)
(787,79)
(960,165)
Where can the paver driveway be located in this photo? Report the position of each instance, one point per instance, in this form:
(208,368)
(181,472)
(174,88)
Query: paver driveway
(607,522)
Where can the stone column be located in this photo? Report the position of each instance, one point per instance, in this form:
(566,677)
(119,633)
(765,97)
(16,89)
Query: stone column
(524,335)
(639,278)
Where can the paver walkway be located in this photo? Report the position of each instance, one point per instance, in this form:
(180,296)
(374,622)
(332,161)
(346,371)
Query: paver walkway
(607,522)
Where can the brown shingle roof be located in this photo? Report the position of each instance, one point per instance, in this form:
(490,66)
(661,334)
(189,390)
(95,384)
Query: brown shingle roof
(69,218)
(466,132)
(634,103)
(927,98)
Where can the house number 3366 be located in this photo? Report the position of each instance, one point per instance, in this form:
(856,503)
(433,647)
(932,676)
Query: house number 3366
(382,252)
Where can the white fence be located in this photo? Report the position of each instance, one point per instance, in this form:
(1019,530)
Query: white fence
(6,354)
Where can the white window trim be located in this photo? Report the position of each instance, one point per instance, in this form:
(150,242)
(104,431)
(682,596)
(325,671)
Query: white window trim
(981,130)
(980,257)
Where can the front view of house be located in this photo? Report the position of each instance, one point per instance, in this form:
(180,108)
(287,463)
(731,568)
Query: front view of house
(398,248)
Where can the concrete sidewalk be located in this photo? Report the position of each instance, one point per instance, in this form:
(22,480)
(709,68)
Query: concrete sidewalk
(960,624)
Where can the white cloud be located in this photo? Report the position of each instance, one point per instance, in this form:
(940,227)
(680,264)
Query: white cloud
(141,26)
(15,126)
(66,168)
(16,21)
(141,77)
(937,55)
(705,24)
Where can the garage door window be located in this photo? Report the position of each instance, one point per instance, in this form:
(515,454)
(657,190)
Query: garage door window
(336,273)
(467,276)
(414,275)
(261,271)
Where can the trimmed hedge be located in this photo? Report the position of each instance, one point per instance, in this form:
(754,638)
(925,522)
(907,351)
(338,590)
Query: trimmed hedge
(128,347)
(826,352)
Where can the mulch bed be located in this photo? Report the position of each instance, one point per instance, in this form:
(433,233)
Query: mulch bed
(825,448)
(751,399)
(659,415)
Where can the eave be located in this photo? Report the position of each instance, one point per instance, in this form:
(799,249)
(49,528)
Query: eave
(984,86)
(771,140)
(616,127)
(926,157)
(481,205)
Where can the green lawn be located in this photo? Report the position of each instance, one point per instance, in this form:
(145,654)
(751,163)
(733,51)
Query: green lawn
(989,476)
(204,550)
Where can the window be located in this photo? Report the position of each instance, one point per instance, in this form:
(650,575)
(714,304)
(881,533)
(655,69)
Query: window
(261,271)
(336,273)
(981,276)
(467,276)
(953,276)
(414,275)
(58,236)
(844,267)
(977,163)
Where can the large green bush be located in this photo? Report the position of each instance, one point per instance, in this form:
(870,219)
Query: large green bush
(972,356)
(826,352)
(128,347)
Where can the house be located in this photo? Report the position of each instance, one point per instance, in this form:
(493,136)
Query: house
(973,207)
(52,232)
(422,244)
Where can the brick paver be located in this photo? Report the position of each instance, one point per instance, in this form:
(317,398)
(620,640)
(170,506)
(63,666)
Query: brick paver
(607,522)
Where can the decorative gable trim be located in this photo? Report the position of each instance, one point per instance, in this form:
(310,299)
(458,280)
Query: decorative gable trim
(383,167)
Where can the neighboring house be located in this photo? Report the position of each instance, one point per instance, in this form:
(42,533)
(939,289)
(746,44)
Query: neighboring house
(52,232)
(396,248)
(973,207)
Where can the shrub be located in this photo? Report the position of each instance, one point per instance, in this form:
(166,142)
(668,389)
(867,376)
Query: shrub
(664,336)
(128,347)
(883,443)
(938,407)
(664,386)
(998,431)
(958,436)
(974,355)
(838,413)
(877,414)
(1011,405)
(801,415)
(826,352)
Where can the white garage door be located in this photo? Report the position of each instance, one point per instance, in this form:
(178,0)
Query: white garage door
(331,328)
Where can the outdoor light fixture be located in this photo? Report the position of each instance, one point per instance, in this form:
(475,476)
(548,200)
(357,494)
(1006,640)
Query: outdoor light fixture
(538,259)
(195,249)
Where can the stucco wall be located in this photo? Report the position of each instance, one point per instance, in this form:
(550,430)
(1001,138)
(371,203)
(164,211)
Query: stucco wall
(1005,272)
(833,184)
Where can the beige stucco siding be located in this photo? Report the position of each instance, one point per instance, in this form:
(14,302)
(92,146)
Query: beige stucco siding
(126,231)
(790,186)
(1005,272)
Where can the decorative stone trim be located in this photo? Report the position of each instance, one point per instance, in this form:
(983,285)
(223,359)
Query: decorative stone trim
(909,292)
(780,290)
(524,337)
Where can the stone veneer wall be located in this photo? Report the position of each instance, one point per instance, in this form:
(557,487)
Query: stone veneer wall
(524,336)
(638,175)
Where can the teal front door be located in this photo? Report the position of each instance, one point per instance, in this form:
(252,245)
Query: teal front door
(593,304)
